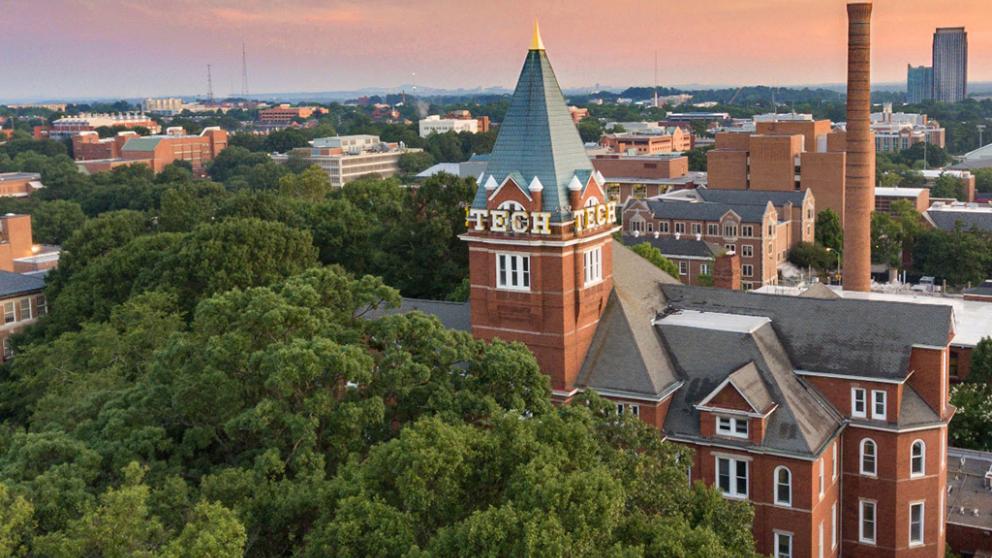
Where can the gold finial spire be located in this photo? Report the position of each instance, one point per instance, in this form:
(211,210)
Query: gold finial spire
(536,43)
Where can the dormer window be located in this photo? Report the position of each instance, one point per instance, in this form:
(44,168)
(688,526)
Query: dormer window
(731,426)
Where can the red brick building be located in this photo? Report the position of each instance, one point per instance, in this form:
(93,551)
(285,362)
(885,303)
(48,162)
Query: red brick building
(19,184)
(97,155)
(829,416)
(644,176)
(284,114)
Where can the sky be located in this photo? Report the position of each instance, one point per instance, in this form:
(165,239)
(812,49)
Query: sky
(134,48)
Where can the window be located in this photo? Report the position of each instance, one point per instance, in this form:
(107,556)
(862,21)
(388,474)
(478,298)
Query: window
(822,461)
(510,205)
(8,351)
(8,313)
(859,403)
(732,426)
(783,486)
(747,270)
(513,272)
(820,541)
(783,545)
(663,226)
(629,408)
(866,522)
(916,523)
(868,457)
(732,476)
(697,228)
(730,230)
(679,228)
(683,268)
(704,269)
(712,229)
(650,227)
(730,248)
(593,265)
(636,224)
(25,308)
(878,404)
(833,463)
(40,306)
(833,526)
(747,251)
(747,230)
(917,458)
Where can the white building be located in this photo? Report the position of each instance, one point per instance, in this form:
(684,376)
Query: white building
(167,105)
(348,158)
(434,124)
(895,131)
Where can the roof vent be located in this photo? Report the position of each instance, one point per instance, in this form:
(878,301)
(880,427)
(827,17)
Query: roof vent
(657,234)
(699,236)
(678,235)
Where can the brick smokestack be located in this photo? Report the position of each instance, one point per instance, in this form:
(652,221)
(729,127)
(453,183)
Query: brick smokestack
(859,196)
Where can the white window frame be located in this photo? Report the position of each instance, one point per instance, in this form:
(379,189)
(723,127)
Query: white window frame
(683,267)
(712,229)
(679,227)
(40,306)
(25,315)
(592,265)
(663,227)
(633,409)
(697,228)
(8,350)
(879,398)
(922,458)
(788,485)
(733,477)
(704,269)
(863,393)
(9,312)
(778,549)
(516,274)
(874,458)
(747,270)
(833,463)
(917,541)
(822,476)
(863,537)
(747,231)
(820,541)
(747,251)
(733,427)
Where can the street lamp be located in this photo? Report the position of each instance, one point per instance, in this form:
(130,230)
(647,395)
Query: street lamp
(838,259)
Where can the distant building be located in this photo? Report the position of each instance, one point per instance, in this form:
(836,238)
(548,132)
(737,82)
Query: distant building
(980,158)
(950,64)
(472,168)
(649,141)
(968,179)
(895,131)
(919,84)
(761,227)
(54,107)
(284,114)
(694,258)
(22,301)
(71,125)
(348,158)
(642,177)
(981,293)
(168,106)
(885,197)
(969,502)
(94,154)
(434,124)
(578,114)
(18,252)
(948,216)
(19,184)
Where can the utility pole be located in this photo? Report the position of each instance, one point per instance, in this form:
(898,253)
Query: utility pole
(244,71)
(210,86)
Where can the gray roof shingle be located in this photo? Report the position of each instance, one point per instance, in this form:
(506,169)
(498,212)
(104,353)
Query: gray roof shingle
(843,336)
(453,315)
(704,211)
(751,197)
(946,220)
(672,247)
(15,283)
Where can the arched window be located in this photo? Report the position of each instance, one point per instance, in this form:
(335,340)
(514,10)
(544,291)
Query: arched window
(510,205)
(917,458)
(783,486)
(592,201)
(869,457)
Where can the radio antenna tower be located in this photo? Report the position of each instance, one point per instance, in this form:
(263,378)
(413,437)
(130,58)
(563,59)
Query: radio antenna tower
(656,79)
(210,86)
(244,71)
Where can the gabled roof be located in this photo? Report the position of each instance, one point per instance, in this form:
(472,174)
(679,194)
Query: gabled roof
(948,219)
(706,355)
(704,211)
(672,247)
(538,138)
(626,356)
(843,336)
(747,382)
(752,197)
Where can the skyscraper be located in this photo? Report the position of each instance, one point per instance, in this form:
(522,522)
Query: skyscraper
(950,64)
(919,83)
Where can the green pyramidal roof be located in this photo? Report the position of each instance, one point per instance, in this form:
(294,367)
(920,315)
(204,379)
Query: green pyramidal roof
(538,138)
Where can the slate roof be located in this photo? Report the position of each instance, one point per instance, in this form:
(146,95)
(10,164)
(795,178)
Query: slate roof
(747,381)
(15,283)
(703,211)
(671,247)
(751,197)
(538,138)
(845,336)
(626,356)
(453,315)
(947,220)
(801,424)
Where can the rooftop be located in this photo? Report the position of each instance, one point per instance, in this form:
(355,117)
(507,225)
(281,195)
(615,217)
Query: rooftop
(899,192)
(672,247)
(663,208)
(946,216)
(969,499)
(15,283)
(10,176)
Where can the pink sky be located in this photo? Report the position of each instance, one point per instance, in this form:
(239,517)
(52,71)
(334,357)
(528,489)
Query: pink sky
(132,48)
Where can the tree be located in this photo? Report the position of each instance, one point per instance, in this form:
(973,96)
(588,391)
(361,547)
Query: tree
(983,180)
(959,256)
(829,232)
(806,255)
(697,158)
(313,184)
(16,523)
(886,240)
(981,363)
(590,130)
(947,186)
(54,222)
(969,428)
(414,162)
(653,255)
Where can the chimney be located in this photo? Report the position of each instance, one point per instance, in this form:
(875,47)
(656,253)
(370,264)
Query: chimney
(727,271)
(859,195)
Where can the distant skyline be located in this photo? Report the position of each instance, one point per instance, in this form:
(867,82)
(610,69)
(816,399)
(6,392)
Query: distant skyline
(135,48)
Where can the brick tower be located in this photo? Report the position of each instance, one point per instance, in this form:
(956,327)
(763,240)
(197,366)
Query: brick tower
(539,231)
(859,195)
